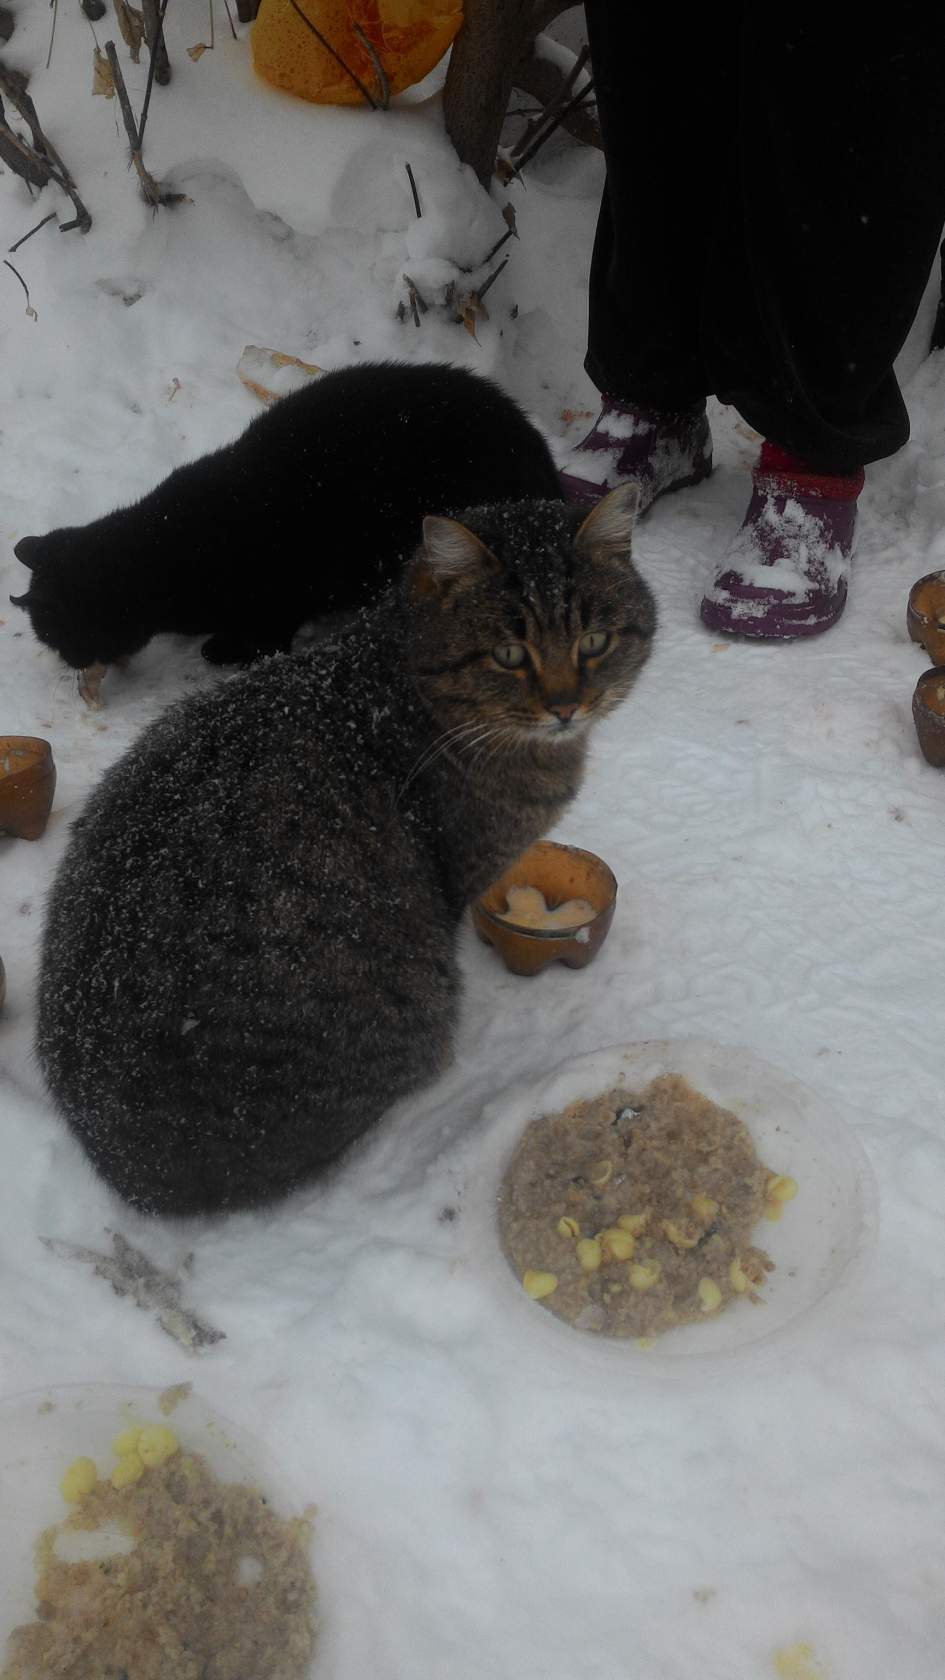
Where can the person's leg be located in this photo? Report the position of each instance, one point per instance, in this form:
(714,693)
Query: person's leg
(819,258)
(654,86)
(815,272)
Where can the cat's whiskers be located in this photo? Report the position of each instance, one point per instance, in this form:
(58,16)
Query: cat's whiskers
(434,750)
(507,736)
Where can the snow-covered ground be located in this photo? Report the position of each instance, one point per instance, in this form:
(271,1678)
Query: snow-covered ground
(492,1503)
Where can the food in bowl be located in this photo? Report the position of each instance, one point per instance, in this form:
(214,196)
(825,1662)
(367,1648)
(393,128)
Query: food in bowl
(163,1572)
(630,1213)
(526,908)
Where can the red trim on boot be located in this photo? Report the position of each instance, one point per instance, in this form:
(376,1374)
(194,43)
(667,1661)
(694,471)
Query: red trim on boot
(780,473)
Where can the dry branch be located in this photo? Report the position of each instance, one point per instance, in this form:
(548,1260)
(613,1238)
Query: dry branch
(154,38)
(149,185)
(36,161)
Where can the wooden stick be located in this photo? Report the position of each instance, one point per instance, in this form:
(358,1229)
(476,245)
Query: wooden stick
(39,162)
(559,117)
(379,70)
(413,189)
(157,46)
(336,56)
(511,234)
(554,104)
(154,36)
(491,280)
(50,218)
(149,186)
(52,32)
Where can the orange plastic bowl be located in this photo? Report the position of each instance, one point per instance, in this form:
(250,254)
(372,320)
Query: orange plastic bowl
(27,785)
(925,615)
(560,873)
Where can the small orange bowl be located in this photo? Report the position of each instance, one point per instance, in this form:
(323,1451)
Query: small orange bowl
(925,615)
(27,785)
(928,711)
(560,873)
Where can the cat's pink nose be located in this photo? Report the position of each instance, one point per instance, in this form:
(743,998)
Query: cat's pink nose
(563,711)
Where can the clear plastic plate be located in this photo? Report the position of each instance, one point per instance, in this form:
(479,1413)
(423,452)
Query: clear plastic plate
(820,1247)
(42,1431)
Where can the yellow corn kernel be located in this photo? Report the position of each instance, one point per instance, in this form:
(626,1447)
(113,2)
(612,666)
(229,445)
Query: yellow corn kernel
(703,1206)
(780,1188)
(130,1468)
(126,1442)
(157,1444)
(737,1278)
(644,1274)
(633,1222)
(589,1254)
(710,1295)
(78,1480)
(568,1227)
(753,1268)
(678,1237)
(616,1244)
(539,1284)
(773,1210)
(601,1173)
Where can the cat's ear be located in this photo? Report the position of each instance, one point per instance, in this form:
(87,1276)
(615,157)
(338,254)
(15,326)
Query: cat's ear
(449,554)
(27,550)
(608,528)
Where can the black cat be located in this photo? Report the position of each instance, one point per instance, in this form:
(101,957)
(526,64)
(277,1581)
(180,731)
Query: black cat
(312,509)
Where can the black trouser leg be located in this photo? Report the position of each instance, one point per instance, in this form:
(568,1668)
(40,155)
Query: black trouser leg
(776,193)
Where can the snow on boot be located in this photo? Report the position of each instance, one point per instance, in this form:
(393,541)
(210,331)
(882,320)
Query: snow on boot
(657,451)
(787,570)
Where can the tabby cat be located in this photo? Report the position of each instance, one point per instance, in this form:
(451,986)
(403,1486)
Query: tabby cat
(250,948)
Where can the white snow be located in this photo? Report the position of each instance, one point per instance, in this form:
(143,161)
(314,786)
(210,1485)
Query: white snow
(485,1509)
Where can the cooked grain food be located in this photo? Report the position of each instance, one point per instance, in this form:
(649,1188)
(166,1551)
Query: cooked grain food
(628,1214)
(216,1586)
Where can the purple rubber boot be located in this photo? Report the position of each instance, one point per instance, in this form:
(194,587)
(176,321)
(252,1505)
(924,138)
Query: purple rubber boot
(657,451)
(786,572)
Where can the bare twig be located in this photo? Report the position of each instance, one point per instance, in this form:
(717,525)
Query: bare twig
(52,33)
(491,280)
(229,18)
(417,300)
(511,234)
(331,51)
(413,189)
(31,311)
(50,218)
(157,62)
(149,185)
(29,308)
(557,120)
(554,104)
(379,71)
(154,37)
(37,162)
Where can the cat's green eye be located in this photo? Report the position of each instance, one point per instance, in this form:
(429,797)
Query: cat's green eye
(593,643)
(510,654)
